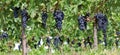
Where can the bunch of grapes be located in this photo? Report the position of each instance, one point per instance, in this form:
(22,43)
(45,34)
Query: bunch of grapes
(16,11)
(3,35)
(57,41)
(25,17)
(48,41)
(59,16)
(102,23)
(44,18)
(117,33)
(82,21)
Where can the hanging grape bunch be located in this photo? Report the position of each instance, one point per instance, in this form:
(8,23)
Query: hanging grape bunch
(117,33)
(59,16)
(25,17)
(16,11)
(48,41)
(57,41)
(4,35)
(102,23)
(82,21)
(44,18)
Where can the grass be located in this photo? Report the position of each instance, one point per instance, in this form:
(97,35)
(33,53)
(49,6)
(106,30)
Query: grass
(69,51)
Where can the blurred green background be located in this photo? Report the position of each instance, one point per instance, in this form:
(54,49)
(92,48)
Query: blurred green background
(70,28)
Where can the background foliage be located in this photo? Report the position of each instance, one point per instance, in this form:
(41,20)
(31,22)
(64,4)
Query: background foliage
(70,8)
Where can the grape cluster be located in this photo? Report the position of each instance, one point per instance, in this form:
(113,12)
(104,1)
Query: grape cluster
(44,18)
(57,41)
(117,33)
(25,17)
(102,23)
(82,21)
(16,11)
(48,41)
(59,16)
(3,35)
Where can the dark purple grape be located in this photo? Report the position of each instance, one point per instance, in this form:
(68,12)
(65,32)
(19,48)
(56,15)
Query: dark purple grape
(16,11)
(56,42)
(44,18)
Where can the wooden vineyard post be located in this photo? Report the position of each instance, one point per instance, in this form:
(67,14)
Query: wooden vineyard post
(95,34)
(24,47)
